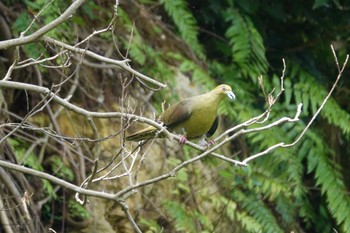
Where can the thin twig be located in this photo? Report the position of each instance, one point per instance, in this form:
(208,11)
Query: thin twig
(43,30)
(123,64)
(55,180)
(340,70)
(282,144)
(81,111)
(128,214)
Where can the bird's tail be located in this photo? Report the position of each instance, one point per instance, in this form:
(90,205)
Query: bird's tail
(143,134)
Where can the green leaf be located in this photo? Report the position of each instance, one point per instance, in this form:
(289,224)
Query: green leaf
(320,3)
(185,23)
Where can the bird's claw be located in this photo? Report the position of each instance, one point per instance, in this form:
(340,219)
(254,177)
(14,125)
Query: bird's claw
(206,144)
(182,140)
(210,143)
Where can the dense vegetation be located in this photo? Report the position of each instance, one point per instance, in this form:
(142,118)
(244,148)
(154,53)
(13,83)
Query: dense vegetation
(303,189)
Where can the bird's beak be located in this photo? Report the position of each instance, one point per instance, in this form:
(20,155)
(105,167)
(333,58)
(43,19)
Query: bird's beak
(230,95)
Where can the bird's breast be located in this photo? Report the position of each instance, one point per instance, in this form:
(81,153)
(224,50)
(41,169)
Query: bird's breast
(198,123)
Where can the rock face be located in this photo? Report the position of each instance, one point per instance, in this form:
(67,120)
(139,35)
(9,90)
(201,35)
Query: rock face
(72,143)
(153,159)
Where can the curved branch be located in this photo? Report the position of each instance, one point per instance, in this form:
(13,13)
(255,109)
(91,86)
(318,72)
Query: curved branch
(123,64)
(40,32)
(81,111)
(56,180)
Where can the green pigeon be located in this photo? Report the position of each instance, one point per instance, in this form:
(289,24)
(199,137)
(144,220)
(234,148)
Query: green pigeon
(192,117)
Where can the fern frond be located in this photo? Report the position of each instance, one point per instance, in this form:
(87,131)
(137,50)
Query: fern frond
(311,93)
(250,224)
(199,76)
(329,178)
(332,185)
(185,23)
(247,46)
(255,208)
(183,219)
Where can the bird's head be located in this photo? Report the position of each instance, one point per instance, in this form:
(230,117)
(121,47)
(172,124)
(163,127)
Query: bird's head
(225,89)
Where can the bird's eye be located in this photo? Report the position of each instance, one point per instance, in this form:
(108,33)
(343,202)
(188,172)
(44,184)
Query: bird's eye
(223,88)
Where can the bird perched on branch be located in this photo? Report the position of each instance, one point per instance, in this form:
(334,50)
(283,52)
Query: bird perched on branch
(192,117)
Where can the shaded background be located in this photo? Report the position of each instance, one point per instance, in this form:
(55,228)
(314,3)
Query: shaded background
(192,46)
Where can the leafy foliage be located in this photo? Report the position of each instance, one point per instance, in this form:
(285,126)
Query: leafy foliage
(309,92)
(25,155)
(77,211)
(185,23)
(60,169)
(300,189)
(248,50)
(282,178)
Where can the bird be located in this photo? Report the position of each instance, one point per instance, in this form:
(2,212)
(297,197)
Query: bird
(192,118)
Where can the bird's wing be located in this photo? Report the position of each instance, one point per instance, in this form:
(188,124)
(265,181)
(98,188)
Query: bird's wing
(177,113)
(213,128)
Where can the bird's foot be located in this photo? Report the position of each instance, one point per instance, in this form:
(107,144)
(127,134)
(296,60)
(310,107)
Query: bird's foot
(206,144)
(210,142)
(182,140)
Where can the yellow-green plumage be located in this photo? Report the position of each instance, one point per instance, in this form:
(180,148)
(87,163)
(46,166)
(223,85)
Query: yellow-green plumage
(192,117)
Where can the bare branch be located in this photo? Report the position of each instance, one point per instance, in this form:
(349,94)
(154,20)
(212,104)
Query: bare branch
(55,180)
(40,32)
(31,61)
(81,111)
(4,219)
(123,64)
(340,70)
(282,144)
(35,18)
(131,220)
(125,163)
